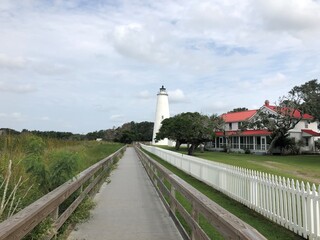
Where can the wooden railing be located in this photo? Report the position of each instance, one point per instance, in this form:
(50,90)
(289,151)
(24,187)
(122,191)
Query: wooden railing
(168,185)
(20,224)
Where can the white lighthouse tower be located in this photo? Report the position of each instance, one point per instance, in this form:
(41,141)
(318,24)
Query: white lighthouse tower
(162,112)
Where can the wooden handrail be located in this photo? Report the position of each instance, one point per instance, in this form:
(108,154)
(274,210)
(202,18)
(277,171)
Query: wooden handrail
(227,224)
(20,224)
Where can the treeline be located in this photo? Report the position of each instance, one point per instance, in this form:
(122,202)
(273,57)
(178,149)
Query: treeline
(127,133)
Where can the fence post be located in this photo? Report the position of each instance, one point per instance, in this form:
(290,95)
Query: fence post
(195,216)
(173,199)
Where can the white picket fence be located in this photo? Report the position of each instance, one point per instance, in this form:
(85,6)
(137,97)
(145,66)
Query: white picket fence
(294,205)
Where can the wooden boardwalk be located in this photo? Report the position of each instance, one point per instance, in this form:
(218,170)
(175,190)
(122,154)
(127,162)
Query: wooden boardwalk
(128,208)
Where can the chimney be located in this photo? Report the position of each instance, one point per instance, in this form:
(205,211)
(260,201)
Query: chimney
(266,102)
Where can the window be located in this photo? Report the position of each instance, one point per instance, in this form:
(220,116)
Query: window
(306,124)
(230,126)
(258,140)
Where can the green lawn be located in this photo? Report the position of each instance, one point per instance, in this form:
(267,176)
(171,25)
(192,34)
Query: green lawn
(301,167)
(266,227)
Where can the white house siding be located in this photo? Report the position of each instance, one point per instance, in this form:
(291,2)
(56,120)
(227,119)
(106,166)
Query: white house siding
(296,135)
(309,141)
(306,124)
(234,126)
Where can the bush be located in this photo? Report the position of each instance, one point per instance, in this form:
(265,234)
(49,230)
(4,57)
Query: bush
(247,151)
(62,167)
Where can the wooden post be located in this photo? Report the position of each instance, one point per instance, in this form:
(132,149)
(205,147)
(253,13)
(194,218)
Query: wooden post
(173,199)
(54,216)
(195,216)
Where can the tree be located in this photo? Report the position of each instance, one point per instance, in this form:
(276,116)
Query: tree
(174,128)
(279,119)
(144,131)
(310,94)
(132,131)
(127,133)
(220,126)
(192,128)
(240,109)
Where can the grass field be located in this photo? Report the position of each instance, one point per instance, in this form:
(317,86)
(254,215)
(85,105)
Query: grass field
(267,228)
(302,167)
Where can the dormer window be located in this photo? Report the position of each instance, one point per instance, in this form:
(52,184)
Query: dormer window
(306,124)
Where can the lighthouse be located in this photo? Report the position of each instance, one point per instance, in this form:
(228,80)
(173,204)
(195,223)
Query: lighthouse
(162,112)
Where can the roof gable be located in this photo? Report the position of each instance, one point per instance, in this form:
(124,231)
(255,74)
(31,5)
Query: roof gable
(294,113)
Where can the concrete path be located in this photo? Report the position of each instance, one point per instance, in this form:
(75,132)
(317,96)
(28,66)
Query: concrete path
(128,208)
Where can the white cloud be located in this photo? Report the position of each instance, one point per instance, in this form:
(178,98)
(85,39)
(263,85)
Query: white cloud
(44,118)
(263,86)
(98,60)
(274,81)
(13,116)
(16,88)
(145,95)
(289,15)
(176,96)
(212,15)
(116,117)
(12,62)
(50,69)
(137,41)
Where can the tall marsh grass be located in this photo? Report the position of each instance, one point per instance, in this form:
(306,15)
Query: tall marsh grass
(31,166)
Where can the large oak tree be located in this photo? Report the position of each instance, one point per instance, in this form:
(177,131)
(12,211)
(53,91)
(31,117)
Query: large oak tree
(192,128)
(279,119)
(310,95)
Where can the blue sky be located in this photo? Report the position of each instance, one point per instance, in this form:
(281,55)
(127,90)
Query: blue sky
(82,66)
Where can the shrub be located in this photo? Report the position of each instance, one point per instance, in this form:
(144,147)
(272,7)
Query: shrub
(247,151)
(64,167)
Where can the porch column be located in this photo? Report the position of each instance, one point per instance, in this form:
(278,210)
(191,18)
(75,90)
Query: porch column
(254,142)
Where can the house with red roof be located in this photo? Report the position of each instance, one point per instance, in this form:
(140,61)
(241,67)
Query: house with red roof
(258,140)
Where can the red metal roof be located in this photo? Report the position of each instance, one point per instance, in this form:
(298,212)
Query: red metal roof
(310,132)
(296,113)
(238,116)
(245,115)
(261,132)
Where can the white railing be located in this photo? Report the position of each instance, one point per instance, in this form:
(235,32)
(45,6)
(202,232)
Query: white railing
(294,205)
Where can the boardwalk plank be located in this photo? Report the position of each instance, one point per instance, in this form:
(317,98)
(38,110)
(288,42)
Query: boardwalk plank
(128,208)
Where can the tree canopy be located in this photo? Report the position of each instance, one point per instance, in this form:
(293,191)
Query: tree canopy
(190,127)
(239,109)
(128,132)
(310,95)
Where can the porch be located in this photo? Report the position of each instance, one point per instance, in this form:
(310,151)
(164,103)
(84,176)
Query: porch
(255,144)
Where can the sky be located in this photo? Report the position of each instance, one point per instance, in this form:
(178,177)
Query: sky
(81,66)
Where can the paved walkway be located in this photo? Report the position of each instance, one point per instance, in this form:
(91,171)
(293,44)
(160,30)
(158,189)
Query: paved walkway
(128,208)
